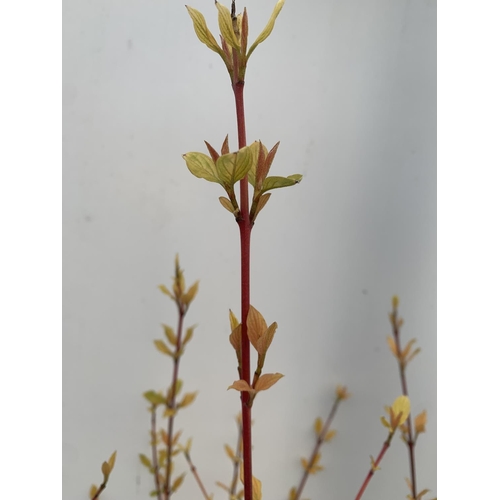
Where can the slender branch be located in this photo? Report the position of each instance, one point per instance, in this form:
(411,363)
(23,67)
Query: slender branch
(245,229)
(402,375)
(196,476)
(385,447)
(154,453)
(236,469)
(319,441)
(171,402)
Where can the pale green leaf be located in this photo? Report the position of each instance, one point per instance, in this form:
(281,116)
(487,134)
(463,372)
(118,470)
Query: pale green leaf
(269,27)
(226,26)
(202,31)
(201,166)
(280,182)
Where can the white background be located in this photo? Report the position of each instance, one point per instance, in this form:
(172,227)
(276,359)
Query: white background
(349,88)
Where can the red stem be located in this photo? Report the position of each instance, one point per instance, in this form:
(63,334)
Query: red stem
(372,471)
(245,229)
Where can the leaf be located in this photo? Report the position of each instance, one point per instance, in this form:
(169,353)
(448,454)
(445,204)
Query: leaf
(154,397)
(256,489)
(293,494)
(166,291)
(269,27)
(93,491)
(227,204)
(266,381)
(169,412)
(169,333)
(392,345)
(178,482)
(255,150)
(145,461)
(266,339)
(212,151)
(162,347)
(188,398)
(232,167)
(264,166)
(226,26)
(330,435)
(241,385)
(305,464)
(420,422)
(111,461)
(274,182)
(105,469)
(225,146)
(318,426)
(189,335)
(261,204)
(233,320)
(189,296)
(256,325)
(201,166)
(202,31)
(230,452)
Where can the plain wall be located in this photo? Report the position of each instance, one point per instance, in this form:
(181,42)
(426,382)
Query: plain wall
(349,88)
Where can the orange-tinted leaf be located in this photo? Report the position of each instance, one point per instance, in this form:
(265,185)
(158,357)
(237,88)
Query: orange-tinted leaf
(93,491)
(241,385)
(392,345)
(188,398)
(266,381)
(111,461)
(330,435)
(226,203)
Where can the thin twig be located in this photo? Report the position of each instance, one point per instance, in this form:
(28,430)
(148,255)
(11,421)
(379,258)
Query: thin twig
(154,453)
(373,468)
(171,402)
(402,375)
(196,476)
(236,469)
(319,441)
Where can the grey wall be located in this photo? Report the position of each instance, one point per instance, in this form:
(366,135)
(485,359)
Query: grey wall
(349,88)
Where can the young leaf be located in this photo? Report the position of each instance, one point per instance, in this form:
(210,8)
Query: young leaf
(230,452)
(188,398)
(225,146)
(226,26)
(162,347)
(189,335)
(265,340)
(105,469)
(154,397)
(93,491)
(318,426)
(241,385)
(233,320)
(280,182)
(261,204)
(212,151)
(330,435)
(145,461)
(269,27)
(201,166)
(178,482)
(202,31)
(189,296)
(255,149)
(266,381)
(169,333)
(111,461)
(227,204)
(166,291)
(256,325)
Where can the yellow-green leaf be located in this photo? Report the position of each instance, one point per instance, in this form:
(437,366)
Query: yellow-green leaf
(330,435)
(233,320)
(162,347)
(293,494)
(188,398)
(178,482)
(169,333)
(275,182)
(154,397)
(189,296)
(226,26)
(256,489)
(189,335)
(392,345)
(166,291)
(401,405)
(269,27)
(230,452)
(111,461)
(105,469)
(169,412)
(201,166)
(266,339)
(232,167)
(202,31)
(266,381)
(93,491)
(255,149)
(145,460)
(318,426)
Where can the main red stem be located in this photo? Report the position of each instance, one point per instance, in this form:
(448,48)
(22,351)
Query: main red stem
(372,471)
(245,229)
